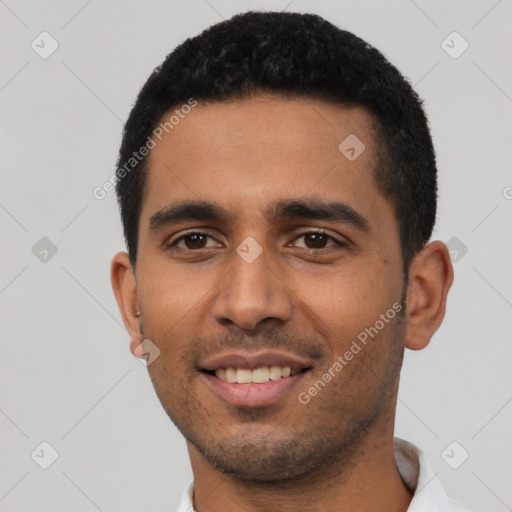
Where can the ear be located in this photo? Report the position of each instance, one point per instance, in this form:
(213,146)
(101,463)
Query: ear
(124,285)
(430,279)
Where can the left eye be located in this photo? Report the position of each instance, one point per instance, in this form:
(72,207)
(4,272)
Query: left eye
(317,240)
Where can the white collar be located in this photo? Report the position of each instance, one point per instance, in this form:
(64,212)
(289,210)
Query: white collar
(416,473)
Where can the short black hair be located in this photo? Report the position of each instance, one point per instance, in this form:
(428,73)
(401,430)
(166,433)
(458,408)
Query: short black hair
(292,55)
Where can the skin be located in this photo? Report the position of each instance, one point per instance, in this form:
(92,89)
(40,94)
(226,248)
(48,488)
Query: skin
(304,295)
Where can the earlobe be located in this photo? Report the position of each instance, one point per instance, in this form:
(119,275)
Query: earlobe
(430,279)
(122,276)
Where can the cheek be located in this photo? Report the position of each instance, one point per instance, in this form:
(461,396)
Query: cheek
(350,298)
(346,310)
(171,386)
(171,298)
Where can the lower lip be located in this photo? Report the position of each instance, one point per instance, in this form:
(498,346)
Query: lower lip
(253,395)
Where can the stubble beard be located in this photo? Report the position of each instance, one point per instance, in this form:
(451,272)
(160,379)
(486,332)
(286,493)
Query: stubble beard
(322,443)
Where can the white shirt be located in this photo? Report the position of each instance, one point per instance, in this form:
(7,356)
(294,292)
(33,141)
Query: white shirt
(429,495)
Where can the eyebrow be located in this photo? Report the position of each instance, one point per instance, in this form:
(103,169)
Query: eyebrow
(282,209)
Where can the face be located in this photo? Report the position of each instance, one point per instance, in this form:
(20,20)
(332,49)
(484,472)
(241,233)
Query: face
(265,251)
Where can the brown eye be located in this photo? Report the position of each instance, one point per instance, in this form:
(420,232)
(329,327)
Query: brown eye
(196,241)
(316,240)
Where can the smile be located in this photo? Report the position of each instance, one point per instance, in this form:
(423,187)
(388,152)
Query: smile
(259,375)
(253,379)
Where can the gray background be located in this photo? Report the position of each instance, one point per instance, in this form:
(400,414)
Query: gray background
(67,376)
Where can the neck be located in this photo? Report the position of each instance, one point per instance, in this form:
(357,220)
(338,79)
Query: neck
(366,479)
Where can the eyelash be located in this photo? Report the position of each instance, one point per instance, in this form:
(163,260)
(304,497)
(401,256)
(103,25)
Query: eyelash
(316,232)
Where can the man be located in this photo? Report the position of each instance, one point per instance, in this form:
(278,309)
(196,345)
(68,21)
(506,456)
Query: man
(277,185)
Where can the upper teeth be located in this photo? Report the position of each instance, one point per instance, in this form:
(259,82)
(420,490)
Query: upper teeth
(258,375)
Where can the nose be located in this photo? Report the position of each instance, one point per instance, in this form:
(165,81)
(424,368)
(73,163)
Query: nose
(252,294)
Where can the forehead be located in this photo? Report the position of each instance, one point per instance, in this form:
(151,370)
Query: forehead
(259,150)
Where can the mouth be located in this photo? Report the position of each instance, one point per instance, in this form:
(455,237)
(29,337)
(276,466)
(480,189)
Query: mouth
(254,380)
(260,375)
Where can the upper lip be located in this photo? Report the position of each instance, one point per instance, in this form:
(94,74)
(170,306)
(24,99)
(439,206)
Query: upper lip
(252,360)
